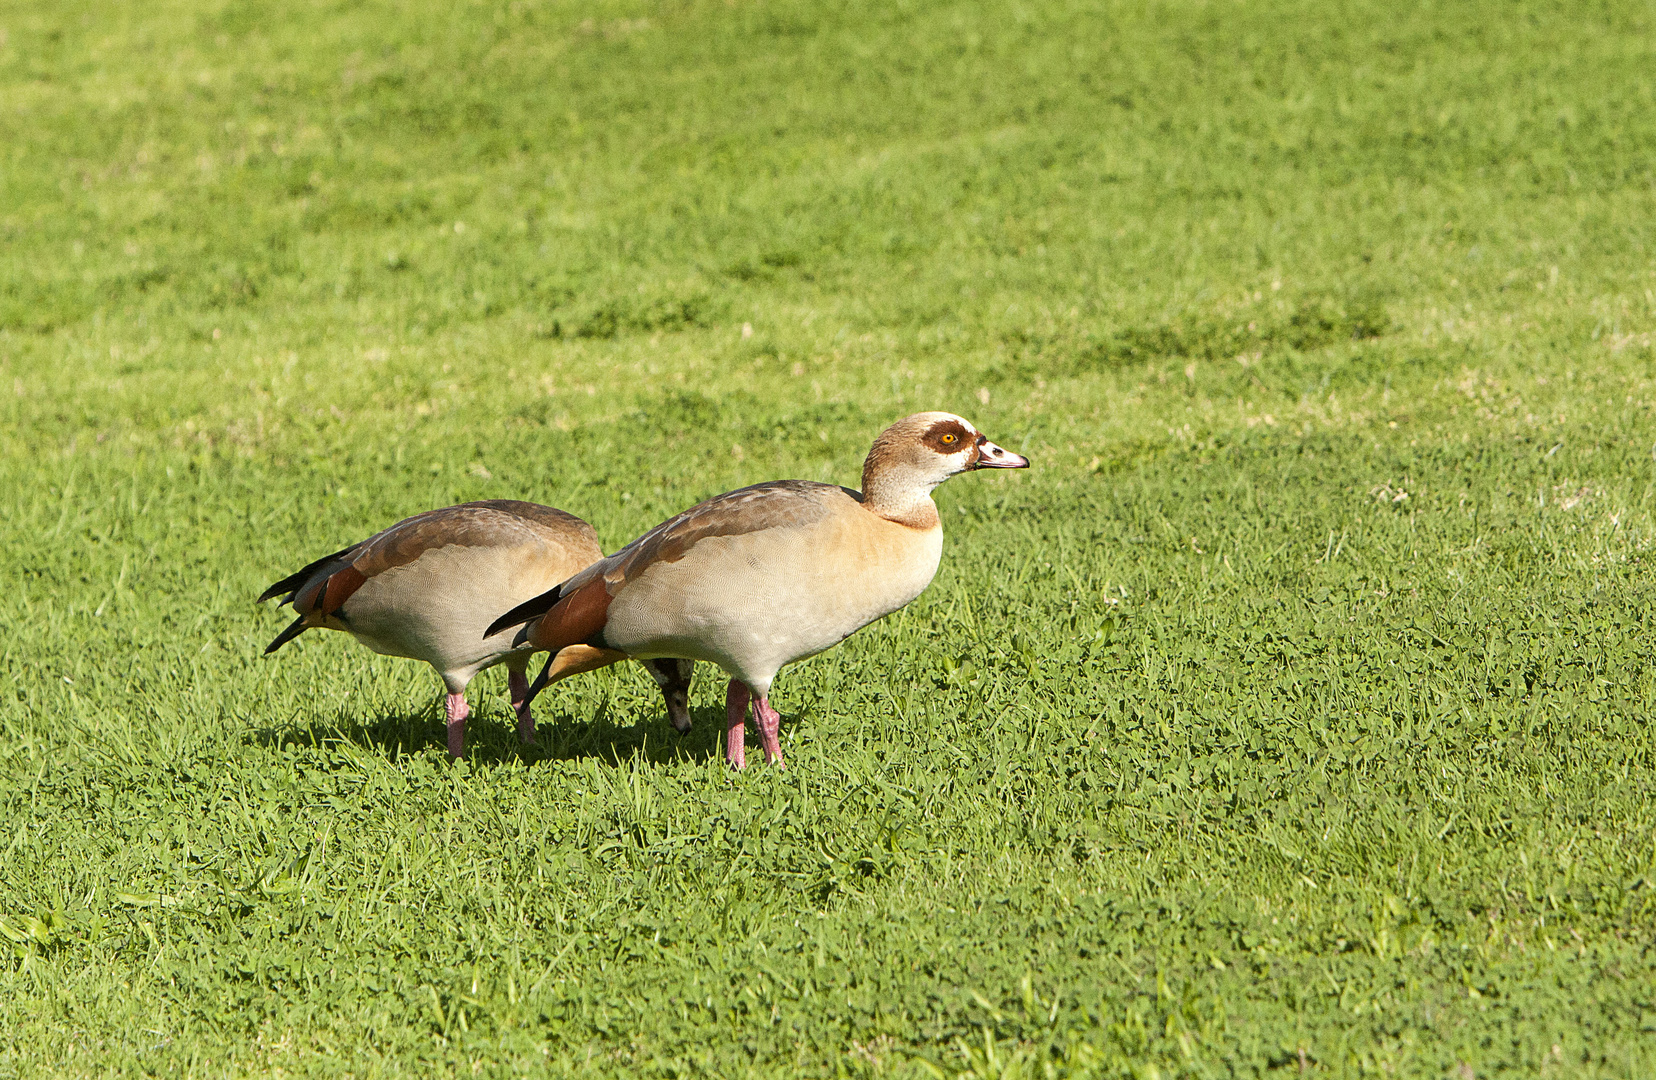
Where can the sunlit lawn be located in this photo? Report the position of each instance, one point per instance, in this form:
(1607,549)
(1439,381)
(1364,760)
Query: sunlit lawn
(1292,714)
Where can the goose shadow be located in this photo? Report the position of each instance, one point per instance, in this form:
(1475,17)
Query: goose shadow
(491,739)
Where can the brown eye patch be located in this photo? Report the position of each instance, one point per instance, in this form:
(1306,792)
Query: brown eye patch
(947,437)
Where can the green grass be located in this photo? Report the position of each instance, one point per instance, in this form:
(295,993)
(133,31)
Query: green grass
(1291,715)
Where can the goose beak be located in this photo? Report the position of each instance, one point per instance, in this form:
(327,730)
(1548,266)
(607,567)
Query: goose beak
(991,456)
(673,676)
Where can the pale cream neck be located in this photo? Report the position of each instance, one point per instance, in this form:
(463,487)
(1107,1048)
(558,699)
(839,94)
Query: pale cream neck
(902,499)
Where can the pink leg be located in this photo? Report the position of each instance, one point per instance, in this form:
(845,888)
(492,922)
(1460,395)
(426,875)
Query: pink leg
(454,705)
(737,696)
(519,683)
(769,723)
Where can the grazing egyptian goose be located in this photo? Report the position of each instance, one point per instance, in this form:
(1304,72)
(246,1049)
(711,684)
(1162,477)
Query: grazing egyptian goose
(426,587)
(758,578)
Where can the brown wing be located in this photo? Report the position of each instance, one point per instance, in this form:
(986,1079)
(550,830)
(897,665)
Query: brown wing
(555,524)
(779,504)
(582,603)
(476,524)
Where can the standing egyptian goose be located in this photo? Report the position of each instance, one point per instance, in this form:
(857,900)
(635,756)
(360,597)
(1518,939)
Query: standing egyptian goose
(758,578)
(426,587)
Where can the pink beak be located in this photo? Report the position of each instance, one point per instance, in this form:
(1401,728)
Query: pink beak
(991,456)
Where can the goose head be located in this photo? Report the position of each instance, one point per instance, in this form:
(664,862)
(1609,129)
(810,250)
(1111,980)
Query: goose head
(917,453)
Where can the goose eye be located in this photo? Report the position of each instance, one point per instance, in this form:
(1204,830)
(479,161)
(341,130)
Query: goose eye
(949,439)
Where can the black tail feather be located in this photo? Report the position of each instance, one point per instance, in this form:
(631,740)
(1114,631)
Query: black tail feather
(292,583)
(294,629)
(540,681)
(525,611)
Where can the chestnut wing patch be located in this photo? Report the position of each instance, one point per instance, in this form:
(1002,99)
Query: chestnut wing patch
(576,619)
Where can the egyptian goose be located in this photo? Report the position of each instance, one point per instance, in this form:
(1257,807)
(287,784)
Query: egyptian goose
(755,579)
(426,587)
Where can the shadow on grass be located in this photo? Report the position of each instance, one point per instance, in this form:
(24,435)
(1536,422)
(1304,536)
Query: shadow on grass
(492,741)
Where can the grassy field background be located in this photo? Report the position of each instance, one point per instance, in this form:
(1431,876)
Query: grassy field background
(1290,716)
